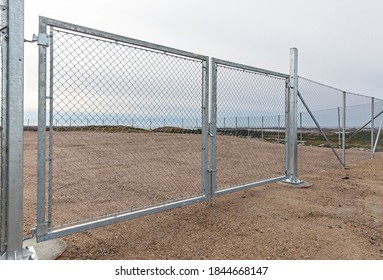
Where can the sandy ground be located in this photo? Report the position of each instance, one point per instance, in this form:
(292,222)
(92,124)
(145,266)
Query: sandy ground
(339,217)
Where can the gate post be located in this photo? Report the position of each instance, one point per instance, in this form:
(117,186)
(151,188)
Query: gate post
(291,122)
(14,129)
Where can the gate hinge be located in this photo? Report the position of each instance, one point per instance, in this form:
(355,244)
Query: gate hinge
(41,39)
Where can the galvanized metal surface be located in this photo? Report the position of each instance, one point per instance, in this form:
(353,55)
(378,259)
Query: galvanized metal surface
(292,141)
(377,137)
(116,218)
(213,128)
(116,38)
(13,123)
(344,130)
(4,82)
(41,227)
(372,125)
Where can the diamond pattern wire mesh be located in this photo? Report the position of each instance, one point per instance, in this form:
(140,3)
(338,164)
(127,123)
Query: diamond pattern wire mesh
(359,114)
(127,127)
(250,126)
(326,105)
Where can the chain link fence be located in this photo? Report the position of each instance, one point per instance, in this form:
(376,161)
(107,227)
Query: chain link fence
(360,125)
(128,128)
(319,105)
(329,116)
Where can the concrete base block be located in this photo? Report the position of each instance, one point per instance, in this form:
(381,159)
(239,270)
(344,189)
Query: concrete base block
(47,250)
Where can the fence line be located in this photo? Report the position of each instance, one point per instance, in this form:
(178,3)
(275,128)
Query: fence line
(133,128)
(350,119)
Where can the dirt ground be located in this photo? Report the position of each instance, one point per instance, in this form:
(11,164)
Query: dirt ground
(339,217)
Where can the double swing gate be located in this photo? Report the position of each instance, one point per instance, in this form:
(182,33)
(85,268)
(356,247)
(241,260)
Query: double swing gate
(129,128)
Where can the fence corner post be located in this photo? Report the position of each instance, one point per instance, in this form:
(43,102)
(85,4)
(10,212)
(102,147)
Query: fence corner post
(291,128)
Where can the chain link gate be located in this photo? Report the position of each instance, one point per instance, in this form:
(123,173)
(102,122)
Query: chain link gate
(127,129)
(124,128)
(249,121)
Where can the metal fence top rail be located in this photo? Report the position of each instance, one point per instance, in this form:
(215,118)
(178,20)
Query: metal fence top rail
(249,68)
(118,38)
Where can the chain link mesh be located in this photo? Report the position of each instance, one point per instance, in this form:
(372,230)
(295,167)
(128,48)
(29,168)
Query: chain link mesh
(250,126)
(360,113)
(127,127)
(326,104)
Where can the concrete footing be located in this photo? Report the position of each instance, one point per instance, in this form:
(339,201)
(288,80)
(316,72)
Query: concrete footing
(47,250)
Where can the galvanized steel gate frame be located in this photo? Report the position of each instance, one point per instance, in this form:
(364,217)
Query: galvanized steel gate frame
(44,230)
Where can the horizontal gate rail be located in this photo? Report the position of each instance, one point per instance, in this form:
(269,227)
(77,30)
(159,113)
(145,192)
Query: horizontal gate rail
(250,68)
(117,38)
(249,186)
(116,218)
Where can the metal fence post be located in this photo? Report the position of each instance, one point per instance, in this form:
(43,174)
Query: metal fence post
(4,82)
(344,130)
(291,129)
(339,130)
(279,127)
(14,132)
(372,125)
(50,158)
(42,226)
(300,128)
(206,189)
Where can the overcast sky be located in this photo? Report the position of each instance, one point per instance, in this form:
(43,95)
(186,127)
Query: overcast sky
(340,42)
